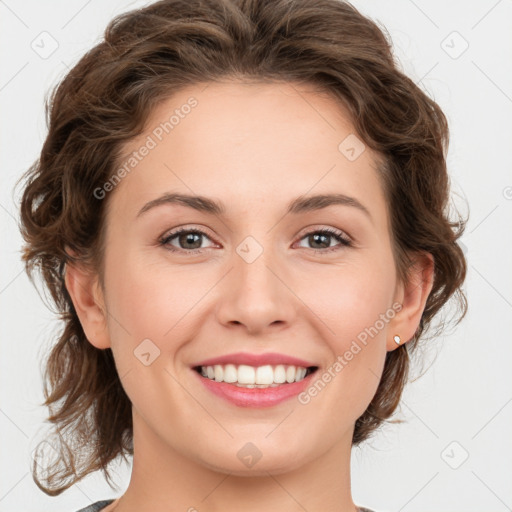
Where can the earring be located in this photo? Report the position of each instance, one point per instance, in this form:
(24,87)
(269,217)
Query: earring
(397,339)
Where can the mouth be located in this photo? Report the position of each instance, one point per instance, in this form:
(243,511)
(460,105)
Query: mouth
(245,376)
(255,386)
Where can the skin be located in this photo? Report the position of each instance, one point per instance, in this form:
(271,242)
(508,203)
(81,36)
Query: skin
(255,147)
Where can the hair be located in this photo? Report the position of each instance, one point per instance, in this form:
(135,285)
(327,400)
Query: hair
(145,57)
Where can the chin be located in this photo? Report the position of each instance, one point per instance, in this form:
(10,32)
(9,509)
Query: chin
(249,461)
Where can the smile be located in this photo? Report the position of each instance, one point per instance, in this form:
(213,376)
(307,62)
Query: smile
(255,387)
(255,377)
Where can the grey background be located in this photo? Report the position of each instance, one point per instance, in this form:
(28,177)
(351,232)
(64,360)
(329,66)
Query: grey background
(461,407)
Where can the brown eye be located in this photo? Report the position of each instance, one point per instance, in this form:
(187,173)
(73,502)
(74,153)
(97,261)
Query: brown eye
(320,240)
(188,240)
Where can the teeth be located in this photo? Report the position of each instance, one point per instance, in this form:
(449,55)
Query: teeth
(247,375)
(250,376)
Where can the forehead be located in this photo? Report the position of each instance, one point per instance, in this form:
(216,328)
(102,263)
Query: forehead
(247,142)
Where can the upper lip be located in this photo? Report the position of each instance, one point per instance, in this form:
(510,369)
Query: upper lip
(268,358)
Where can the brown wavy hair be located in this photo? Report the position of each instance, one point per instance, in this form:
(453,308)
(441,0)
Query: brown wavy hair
(146,56)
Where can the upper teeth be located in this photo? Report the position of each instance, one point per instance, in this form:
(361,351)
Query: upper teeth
(263,375)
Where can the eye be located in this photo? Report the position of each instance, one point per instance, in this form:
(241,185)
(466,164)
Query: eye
(322,239)
(189,239)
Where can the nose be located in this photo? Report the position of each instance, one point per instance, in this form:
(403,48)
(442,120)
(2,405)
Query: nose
(257,295)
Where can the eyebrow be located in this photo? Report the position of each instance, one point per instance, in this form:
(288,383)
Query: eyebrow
(299,205)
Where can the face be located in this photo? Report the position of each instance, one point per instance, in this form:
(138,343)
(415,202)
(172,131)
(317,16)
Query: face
(316,283)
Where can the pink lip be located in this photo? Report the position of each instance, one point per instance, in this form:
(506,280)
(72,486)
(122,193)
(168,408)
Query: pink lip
(271,358)
(255,397)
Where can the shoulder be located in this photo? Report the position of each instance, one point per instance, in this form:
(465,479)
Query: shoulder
(96,507)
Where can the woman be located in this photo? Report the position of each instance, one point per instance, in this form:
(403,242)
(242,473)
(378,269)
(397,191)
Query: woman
(308,175)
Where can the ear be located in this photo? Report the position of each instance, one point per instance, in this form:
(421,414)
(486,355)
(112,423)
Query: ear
(413,297)
(85,291)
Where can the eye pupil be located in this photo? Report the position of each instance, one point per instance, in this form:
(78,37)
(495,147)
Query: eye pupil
(191,238)
(317,236)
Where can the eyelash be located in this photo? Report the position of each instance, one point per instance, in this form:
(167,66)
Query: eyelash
(344,242)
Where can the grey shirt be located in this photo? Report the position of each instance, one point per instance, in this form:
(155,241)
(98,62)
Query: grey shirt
(96,507)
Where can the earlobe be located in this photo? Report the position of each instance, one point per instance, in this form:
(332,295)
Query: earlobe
(85,291)
(414,295)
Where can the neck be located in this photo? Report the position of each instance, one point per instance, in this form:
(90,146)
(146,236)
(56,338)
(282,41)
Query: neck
(163,479)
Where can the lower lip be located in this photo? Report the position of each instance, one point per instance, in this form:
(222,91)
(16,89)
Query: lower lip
(255,397)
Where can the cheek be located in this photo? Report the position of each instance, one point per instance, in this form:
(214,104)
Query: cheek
(152,298)
(349,298)
(353,303)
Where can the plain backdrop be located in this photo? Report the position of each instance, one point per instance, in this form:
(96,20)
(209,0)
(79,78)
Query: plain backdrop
(454,451)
